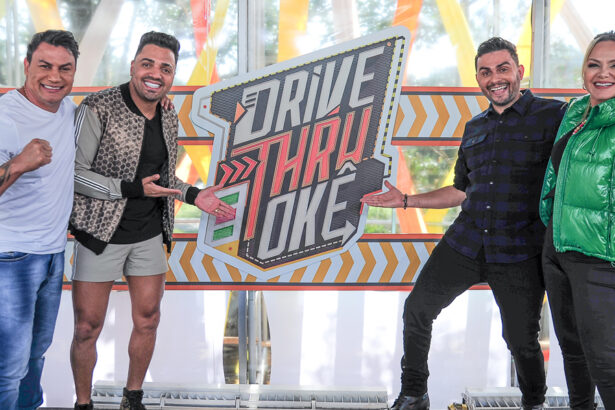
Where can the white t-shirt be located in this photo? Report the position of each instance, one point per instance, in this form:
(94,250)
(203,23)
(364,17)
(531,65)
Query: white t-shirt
(34,211)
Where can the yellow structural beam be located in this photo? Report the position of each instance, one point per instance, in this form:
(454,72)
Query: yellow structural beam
(458,31)
(3,6)
(524,45)
(45,14)
(292,25)
(204,68)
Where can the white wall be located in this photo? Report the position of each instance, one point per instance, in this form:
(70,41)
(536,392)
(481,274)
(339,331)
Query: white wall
(319,338)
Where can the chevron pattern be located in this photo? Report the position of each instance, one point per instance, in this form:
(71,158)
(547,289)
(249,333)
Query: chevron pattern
(434,116)
(377,260)
(440,114)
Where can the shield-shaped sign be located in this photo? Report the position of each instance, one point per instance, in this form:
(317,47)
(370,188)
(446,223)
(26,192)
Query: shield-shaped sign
(296,145)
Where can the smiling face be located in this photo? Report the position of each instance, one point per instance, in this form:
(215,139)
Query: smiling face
(152,72)
(499,78)
(49,76)
(599,72)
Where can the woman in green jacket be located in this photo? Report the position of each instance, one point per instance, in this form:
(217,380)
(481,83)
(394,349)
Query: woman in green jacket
(578,207)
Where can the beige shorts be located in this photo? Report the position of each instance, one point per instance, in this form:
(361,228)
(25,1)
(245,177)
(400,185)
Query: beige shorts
(145,258)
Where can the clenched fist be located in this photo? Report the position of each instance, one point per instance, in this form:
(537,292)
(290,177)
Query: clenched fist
(34,155)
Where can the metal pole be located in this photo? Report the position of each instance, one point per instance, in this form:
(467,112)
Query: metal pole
(251,57)
(242,336)
(252,336)
(541,10)
(9,43)
(243,7)
(242,36)
(496,17)
(15,68)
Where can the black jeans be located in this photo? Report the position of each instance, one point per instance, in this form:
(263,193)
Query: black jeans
(518,290)
(581,292)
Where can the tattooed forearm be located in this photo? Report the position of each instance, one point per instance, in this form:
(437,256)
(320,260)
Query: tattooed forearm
(5,172)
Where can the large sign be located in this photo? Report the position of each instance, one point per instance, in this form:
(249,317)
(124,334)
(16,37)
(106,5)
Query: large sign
(296,146)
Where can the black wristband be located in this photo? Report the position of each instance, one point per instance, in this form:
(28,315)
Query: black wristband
(132,189)
(405,201)
(191,195)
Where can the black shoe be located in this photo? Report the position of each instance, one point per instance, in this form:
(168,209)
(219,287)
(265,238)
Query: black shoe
(411,402)
(536,407)
(87,406)
(132,400)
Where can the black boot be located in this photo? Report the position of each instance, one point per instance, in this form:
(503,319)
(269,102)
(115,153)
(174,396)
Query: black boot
(411,402)
(87,406)
(132,400)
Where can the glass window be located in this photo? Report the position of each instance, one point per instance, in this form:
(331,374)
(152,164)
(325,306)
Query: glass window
(574,26)
(108,34)
(448,33)
(445,33)
(425,168)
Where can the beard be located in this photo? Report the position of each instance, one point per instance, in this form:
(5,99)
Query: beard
(505,99)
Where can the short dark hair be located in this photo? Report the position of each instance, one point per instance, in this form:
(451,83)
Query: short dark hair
(161,40)
(57,38)
(496,44)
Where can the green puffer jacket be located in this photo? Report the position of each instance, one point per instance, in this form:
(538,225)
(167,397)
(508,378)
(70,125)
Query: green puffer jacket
(583,208)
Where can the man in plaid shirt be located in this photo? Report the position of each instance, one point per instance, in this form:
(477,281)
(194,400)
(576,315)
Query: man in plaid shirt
(497,238)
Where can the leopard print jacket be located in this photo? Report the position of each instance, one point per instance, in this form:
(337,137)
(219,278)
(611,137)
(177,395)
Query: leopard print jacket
(117,158)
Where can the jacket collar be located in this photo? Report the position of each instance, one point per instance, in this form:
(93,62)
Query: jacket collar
(125,90)
(602,115)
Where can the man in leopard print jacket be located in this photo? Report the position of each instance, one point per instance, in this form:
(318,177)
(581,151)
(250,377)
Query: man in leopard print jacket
(125,190)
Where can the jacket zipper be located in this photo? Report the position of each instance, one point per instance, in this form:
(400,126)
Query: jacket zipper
(592,152)
(610,204)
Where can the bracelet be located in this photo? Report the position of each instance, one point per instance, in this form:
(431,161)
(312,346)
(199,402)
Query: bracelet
(405,201)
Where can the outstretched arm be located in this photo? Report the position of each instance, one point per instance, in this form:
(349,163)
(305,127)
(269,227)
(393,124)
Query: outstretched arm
(207,201)
(445,197)
(34,155)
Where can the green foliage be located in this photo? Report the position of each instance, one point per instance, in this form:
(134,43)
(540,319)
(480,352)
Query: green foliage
(375,15)
(429,166)
(564,69)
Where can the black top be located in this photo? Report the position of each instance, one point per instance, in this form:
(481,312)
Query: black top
(500,166)
(142,217)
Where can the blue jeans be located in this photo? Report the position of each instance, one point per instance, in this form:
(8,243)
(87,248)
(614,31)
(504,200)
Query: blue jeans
(30,290)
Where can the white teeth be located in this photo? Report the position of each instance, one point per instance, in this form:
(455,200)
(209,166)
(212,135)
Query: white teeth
(152,85)
(50,87)
(604,84)
(498,88)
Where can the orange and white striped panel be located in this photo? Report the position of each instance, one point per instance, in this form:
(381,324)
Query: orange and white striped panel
(436,116)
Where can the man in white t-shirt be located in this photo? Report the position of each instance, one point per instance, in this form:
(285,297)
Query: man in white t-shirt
(37,151)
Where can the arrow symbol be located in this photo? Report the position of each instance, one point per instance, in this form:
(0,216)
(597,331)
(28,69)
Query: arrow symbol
(240,167)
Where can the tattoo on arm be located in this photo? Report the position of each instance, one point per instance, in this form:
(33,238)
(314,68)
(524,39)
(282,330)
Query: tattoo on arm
(5,173)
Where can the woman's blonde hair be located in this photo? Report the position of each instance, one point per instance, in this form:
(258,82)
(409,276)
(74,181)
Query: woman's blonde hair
(606,36)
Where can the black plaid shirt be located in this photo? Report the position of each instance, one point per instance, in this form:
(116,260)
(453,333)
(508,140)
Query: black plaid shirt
(500,166)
